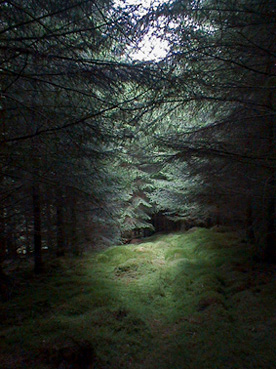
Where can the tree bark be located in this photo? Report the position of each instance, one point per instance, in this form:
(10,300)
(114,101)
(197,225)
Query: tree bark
(3,247)
(60,223)
(270,241)
(49,224)
(38,264)
(249,222)
(27,235)
(73,235)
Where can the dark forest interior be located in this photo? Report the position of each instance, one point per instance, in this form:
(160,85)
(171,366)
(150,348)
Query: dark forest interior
(137,184)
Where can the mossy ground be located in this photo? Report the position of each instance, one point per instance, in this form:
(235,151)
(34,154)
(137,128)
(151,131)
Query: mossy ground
(193,300)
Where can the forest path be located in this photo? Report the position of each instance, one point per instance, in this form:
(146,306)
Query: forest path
(183,301)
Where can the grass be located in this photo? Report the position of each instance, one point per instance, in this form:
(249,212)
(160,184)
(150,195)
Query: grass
(179,301)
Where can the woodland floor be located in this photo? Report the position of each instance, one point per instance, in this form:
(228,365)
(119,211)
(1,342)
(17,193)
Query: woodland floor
(194,300)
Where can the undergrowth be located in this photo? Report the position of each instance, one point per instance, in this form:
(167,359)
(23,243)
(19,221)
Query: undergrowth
(186,300)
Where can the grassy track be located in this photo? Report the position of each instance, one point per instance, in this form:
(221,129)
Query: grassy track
(194,300)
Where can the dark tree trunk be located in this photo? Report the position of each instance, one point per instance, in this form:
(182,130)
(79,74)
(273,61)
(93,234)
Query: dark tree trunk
(11,246)
(270,241)
(3,247)
(27,235)
(4,286)
(49,225)
(270,251)
(9,231)
(60,223)
(73,227)
(38,266)
(3,240)
(249,222)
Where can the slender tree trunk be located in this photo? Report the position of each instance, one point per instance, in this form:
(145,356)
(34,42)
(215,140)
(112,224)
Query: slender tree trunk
(3,245)
(60,223)
(11,245)
(27,234)
(49,224)
(218,219)
(2,233)
(249,222)
(74,228)
(4,290)
(9,230)
(271,237)
(270,241)
(38,266)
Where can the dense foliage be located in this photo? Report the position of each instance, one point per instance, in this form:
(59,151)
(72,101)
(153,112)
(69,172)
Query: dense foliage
(222,74)
(93,142)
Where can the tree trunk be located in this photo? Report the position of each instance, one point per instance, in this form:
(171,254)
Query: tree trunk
(3,246)
(27,235)
(270,241)
(270,250)
(49,226)
(249,222)
(38,266)
(60,223)
(73,228)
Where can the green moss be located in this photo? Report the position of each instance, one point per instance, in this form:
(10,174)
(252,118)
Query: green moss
(185,300)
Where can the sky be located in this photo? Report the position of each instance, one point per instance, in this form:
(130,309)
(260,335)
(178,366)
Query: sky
(151,48)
